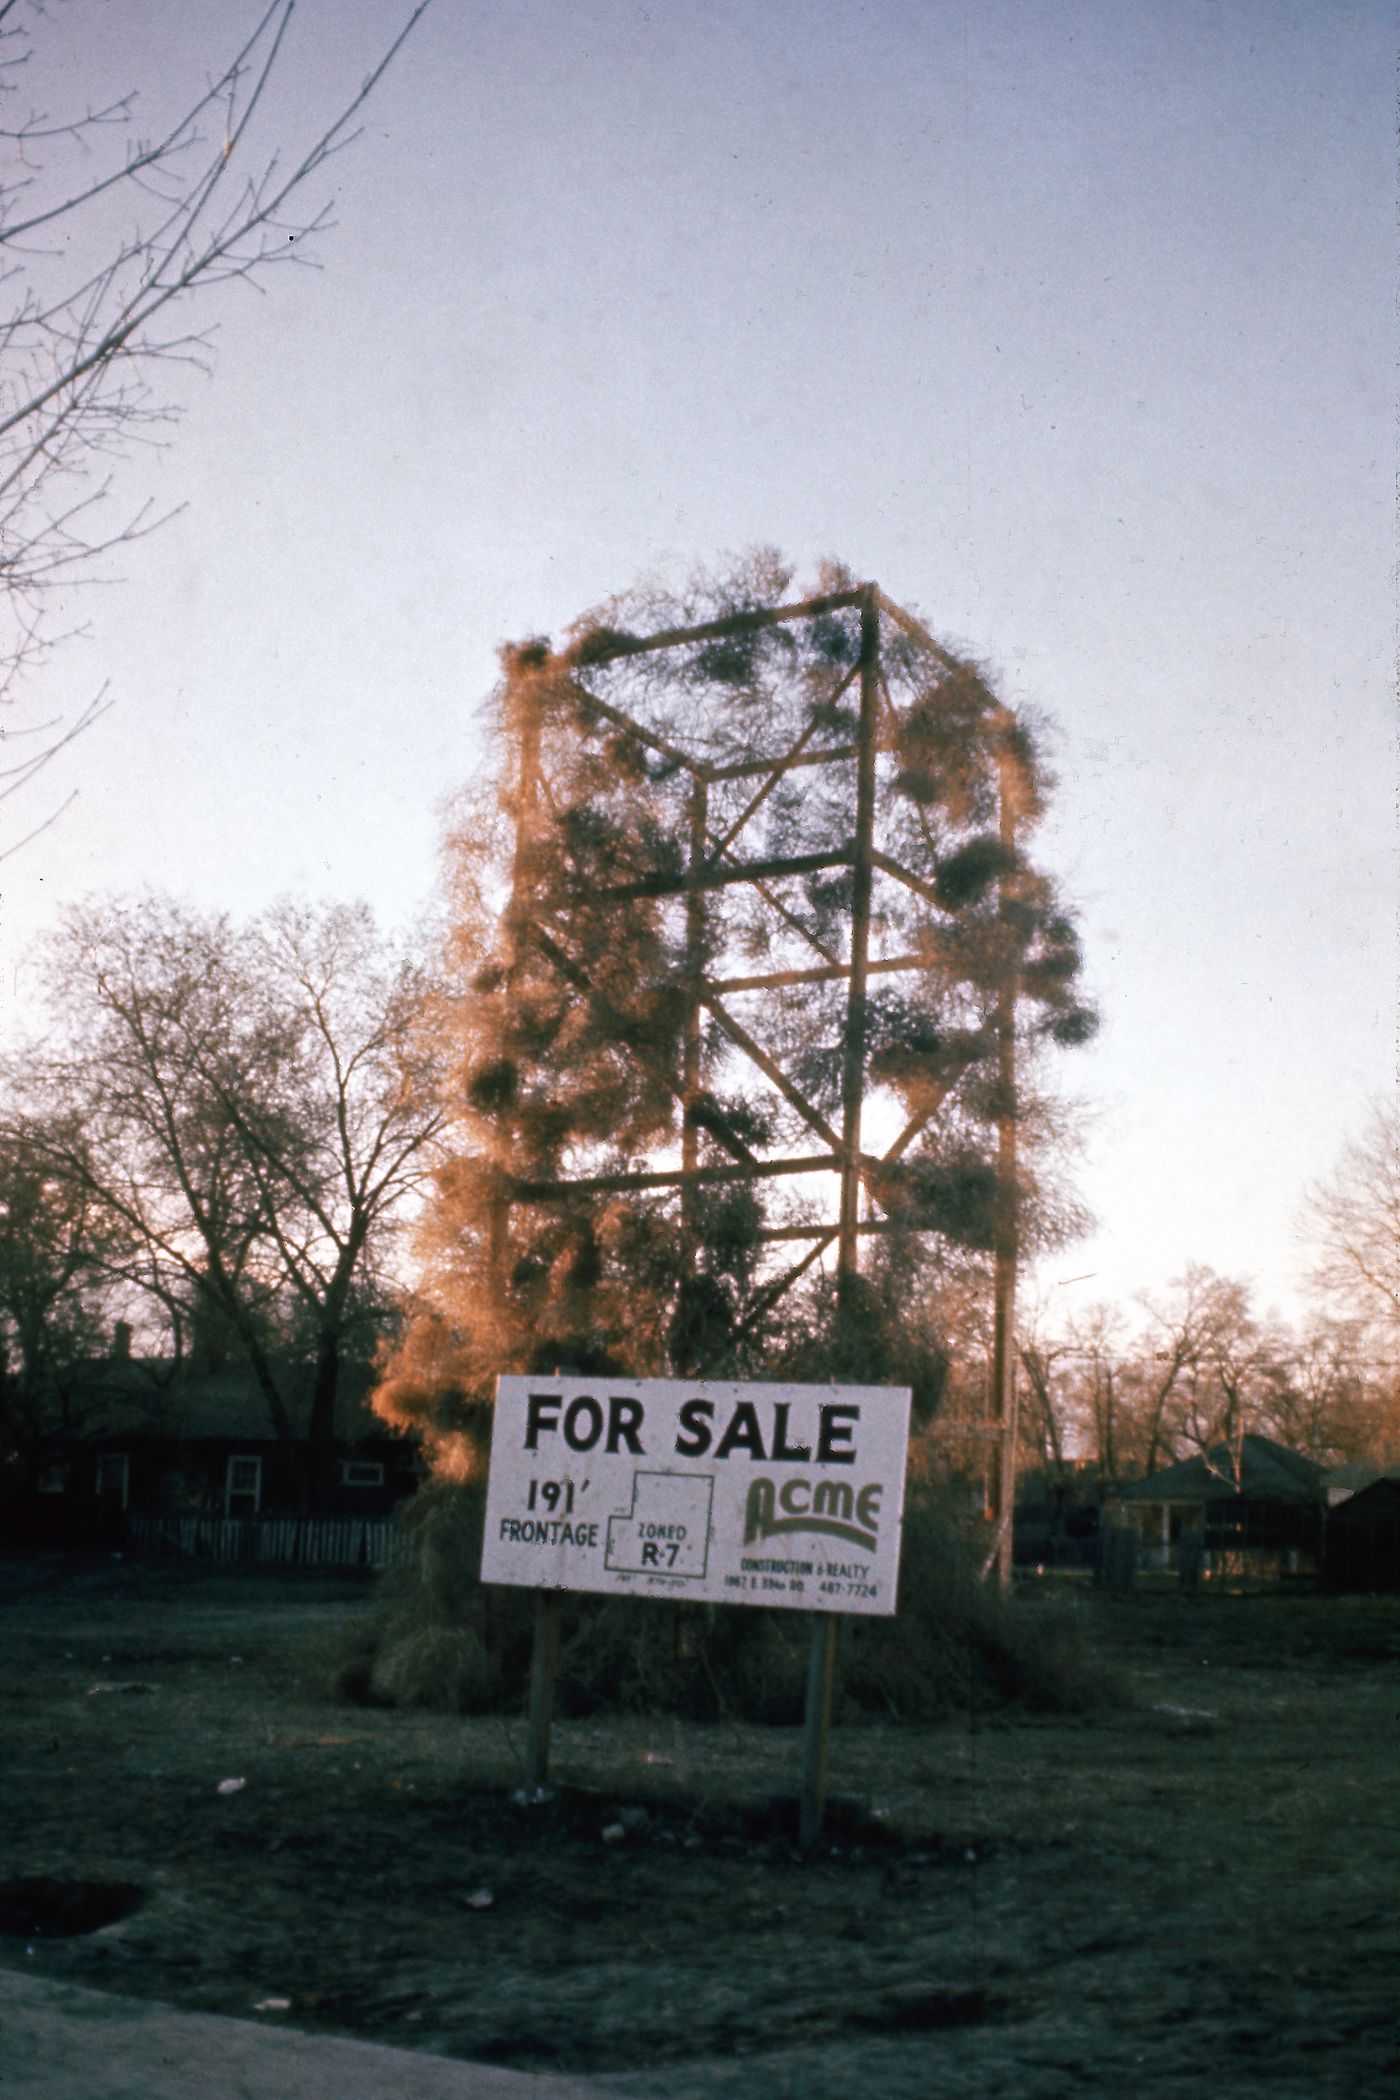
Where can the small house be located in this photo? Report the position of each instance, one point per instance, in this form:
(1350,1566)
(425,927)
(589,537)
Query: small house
(1253,1508)
(1363,1539)
(207,1444)
(159,1442)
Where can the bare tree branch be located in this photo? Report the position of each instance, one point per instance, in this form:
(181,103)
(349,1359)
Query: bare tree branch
(251,1110)
(84,347)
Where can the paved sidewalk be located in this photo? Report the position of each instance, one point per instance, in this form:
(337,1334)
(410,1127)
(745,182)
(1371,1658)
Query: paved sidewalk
(59,2042)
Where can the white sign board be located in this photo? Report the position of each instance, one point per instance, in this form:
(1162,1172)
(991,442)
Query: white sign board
(782,1495)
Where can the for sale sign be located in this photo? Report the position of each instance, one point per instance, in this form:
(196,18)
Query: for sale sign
(782,1495)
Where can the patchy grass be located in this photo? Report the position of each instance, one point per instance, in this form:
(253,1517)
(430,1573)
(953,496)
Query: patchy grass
(1196,1888)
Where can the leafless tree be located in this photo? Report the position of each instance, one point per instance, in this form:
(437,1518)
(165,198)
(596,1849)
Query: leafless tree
(1204,1371)
(1174,1356)
(59,1254)
(1321,1401)
(249,1106)
(1353,1220)
(1100,1395)
(1047,1423)
(1225,1365)
(111,241)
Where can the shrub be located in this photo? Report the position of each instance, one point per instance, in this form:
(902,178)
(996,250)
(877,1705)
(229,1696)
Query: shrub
(439,1639)
(957,1642)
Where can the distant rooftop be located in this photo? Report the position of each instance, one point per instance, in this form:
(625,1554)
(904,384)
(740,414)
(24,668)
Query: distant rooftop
(1262,1471)
(144,1397)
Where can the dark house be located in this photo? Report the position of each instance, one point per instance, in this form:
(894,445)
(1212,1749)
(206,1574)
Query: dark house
(1253,1509)
(1363,1539)
(164,1443)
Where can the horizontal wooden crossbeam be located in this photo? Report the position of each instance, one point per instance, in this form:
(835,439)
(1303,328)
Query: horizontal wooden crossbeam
(607,650)
(816,1232)
(791,757)
(826,973)
(716,878)
(667,1178)
(558,1189)
(754,768)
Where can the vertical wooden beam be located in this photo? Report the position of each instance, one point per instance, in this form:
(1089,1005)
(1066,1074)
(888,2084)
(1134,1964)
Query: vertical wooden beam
(525,692)
(816,1732)
(862,874)
(821,1663)
(544,1657)
(1006,1246)
(694,981)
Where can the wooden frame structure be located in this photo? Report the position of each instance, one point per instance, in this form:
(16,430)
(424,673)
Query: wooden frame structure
(845,749)
(728,870)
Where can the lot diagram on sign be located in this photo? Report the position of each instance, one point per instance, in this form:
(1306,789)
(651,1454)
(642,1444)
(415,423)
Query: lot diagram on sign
(667,1528)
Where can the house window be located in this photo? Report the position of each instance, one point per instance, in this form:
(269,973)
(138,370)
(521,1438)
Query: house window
(53,1478)
(113,1477)
(361,1473)
(243,1492)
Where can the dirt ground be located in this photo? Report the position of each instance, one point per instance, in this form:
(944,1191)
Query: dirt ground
(1197,1892)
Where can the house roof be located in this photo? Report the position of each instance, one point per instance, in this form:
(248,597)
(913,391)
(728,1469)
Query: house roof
(1267,1472)
(1371,1505)
(142,1399)
(1358,1473)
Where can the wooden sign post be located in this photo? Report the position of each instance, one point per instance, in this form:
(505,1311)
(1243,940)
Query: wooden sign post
(544,1658)
(816,1728)
(784,1496)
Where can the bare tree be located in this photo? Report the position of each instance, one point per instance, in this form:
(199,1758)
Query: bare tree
(1109,1396)
(1200,1375)
(1353,1220)
(1321,1401)
(1230,1366)
(58,1253)
(250,1107)
(1100,1396)
(110,243)
(1175,1341)
(1047,1424)
(348,1134)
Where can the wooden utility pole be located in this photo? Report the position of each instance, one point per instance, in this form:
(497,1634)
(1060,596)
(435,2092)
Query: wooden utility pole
(1003,1396)
(526,693)
(694,989)
(862,875)
(821,1670)
(544,1653)
(544,1658)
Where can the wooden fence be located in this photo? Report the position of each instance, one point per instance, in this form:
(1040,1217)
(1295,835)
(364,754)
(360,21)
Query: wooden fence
(307,1542)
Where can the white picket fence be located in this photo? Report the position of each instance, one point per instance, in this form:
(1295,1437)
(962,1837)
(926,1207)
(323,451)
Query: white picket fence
(306,1542)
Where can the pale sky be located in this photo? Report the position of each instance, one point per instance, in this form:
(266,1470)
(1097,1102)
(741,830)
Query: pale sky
(1072,324)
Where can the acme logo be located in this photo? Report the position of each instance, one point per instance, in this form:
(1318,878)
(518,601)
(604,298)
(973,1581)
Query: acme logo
(831,1506)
